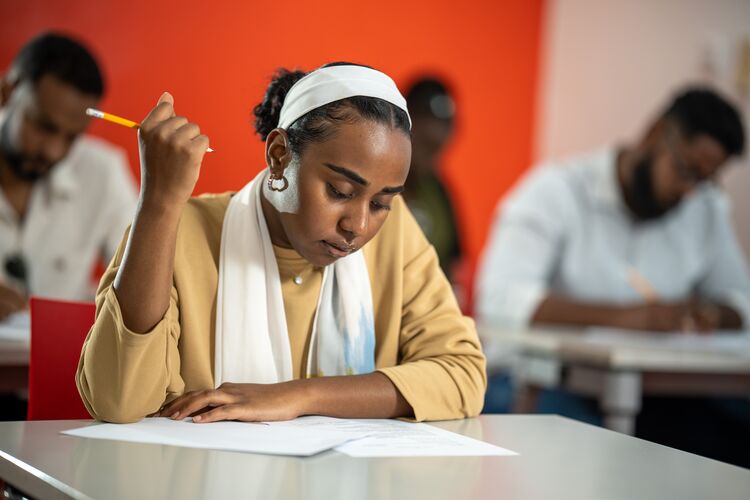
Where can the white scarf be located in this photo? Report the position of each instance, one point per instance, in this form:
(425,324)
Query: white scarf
(252,340)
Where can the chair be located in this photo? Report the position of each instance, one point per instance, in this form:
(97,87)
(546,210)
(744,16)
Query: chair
(58,329)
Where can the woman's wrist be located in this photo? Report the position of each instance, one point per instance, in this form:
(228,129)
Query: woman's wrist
(303,393)
(156,206)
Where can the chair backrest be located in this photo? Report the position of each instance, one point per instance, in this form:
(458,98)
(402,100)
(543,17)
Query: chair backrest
(58,329)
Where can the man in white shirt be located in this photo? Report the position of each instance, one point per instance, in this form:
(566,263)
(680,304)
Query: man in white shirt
(65,199)
(634,237)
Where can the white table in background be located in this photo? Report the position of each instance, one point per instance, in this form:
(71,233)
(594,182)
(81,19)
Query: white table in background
(14,354)
(618,367)
(559,458)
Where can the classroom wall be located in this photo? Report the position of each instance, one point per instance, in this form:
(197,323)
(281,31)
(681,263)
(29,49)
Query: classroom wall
(216,58)
(609,66)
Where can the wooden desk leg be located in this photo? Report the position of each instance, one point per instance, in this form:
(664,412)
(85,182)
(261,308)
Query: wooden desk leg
(621,401)
(526,398)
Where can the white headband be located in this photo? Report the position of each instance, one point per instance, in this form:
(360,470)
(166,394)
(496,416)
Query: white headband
(326,85)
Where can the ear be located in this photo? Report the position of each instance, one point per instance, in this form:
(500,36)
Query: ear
(278,151)
(6,89)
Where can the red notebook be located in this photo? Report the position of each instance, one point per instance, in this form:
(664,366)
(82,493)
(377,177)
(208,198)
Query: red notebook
(58,329)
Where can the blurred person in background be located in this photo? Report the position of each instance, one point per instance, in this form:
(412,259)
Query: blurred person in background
(635,237)
(65,198)
(433,111)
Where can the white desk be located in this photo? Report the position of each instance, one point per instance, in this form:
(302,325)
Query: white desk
(619,368)
(559,458)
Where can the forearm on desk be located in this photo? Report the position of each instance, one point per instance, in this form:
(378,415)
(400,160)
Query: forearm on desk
(558,310)
(702,315)
(354,396)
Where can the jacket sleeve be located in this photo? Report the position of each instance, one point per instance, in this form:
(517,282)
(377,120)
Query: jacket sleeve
(123,376)
(441,369)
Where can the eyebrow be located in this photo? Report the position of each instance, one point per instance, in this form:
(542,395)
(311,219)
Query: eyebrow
(355,177)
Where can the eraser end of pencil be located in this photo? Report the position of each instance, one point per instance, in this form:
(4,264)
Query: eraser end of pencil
(94,112)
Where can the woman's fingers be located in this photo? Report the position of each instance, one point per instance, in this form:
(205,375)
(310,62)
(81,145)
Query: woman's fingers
(163,110)
(224,412)
(194,402)
(186,132)
(167,128)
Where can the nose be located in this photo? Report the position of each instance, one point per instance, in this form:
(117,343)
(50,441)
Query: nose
(355,221)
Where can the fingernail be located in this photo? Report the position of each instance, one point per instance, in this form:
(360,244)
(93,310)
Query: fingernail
(197,418)
(174,415)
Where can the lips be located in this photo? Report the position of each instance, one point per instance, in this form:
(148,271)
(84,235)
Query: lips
(337,250)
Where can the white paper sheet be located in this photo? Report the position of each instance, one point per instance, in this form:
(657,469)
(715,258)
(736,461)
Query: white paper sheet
(395,438)
(16,327)
(232,436)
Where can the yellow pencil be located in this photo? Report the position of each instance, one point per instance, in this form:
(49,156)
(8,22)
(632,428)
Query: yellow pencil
(641,285)
(118,120)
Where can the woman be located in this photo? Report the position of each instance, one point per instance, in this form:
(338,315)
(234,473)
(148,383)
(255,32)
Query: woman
(311,291)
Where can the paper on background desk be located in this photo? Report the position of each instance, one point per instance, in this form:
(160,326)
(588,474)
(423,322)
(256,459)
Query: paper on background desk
(300,437)
(395,438)
(16,327)
(726,342)
(230,436)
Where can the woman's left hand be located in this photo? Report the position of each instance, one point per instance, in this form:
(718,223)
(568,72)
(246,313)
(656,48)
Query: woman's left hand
(247,402)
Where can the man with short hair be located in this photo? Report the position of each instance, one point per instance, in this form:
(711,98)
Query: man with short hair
(635,237)
(65,198)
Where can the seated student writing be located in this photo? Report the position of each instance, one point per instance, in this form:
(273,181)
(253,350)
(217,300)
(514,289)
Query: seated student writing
(311,291)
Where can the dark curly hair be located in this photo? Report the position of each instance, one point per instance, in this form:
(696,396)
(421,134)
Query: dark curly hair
(320,123)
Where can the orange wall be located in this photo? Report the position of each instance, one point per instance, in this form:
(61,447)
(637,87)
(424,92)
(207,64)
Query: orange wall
(216,57)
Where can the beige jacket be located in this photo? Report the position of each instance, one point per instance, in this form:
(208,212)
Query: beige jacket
(423,344)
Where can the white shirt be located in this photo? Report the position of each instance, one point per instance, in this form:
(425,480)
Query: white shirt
(76,216)
(565,230)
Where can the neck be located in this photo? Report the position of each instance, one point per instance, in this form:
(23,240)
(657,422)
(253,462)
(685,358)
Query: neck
(17,191)
(273,221)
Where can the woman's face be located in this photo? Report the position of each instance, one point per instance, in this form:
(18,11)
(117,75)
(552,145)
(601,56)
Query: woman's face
(345,186)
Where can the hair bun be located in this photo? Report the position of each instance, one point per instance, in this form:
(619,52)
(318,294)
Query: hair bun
(267,112)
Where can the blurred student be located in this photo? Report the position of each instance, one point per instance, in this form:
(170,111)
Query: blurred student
(65,198)
(637,236)
(432,110)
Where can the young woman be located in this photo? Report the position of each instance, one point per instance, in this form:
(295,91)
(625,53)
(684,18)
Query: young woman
(311,291)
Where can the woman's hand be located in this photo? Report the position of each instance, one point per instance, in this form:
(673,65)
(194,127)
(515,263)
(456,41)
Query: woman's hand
(247,402)
(372,395)
(171,151)
(11,301)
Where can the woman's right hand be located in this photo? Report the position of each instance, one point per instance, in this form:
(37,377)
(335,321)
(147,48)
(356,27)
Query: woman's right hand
(171,151)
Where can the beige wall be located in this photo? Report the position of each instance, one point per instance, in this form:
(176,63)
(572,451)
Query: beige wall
(609,65)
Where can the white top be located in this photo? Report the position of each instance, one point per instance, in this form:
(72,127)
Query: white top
(565,230)
(76,215)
